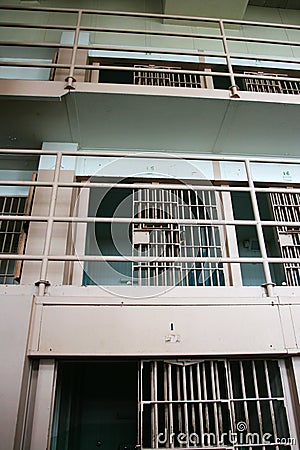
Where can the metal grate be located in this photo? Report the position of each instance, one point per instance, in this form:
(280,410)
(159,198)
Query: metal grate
(172,239)
(10,232)
(286,207)
(169,78)
(206,404)
(271,86)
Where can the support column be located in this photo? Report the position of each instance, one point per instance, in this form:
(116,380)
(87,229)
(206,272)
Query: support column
(65,56)
(228,232)
(42,200)
(231,241)
(43,408)
(296,394)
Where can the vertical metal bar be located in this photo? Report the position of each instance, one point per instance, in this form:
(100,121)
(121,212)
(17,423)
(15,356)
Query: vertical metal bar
(166,398)
(133,249)
(140,406)
(152,406)
(142,211)
(171,417)
(10,237)
(191,228)
(218,396)
(8,240)
(179,400)
(147,215)
(175,236)
(167,201)
(208,265)
(198,235)
(6,223)
(212,374)
(258,408)
(185,406)
(244,395)
(270,401)
(2,225)
(173,230)
(259,229)
(173,79)
(183,244)
(229,238)
(192,398)
(54,193)
(205,398)
(155,406)
(200,402)
(233,88)
(13,231)
(155,248)
(178,237)
(70,78)
(230,395)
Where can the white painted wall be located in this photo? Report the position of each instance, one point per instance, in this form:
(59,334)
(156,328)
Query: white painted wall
(103,324)
(15,309)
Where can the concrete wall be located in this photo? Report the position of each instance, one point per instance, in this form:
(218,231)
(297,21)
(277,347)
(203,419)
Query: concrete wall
(15,306)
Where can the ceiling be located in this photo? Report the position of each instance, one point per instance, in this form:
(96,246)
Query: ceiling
(286,4)
(226,9)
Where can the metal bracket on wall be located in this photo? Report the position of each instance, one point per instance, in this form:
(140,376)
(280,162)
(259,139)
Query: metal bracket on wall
(70,83)
(42,285)
(234,91)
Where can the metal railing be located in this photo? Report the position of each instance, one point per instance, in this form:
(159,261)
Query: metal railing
(171,78)
(222,220)
(209,399)
(272,86)
(220,31)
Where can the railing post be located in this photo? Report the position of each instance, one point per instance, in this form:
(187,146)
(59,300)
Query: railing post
(43,283)
(70,78)
(260,235)
(233,88)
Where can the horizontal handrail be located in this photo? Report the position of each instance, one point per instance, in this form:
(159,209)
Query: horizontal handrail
(130,258)
(46,26)
(85,219)
(222,35)
(187,186)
